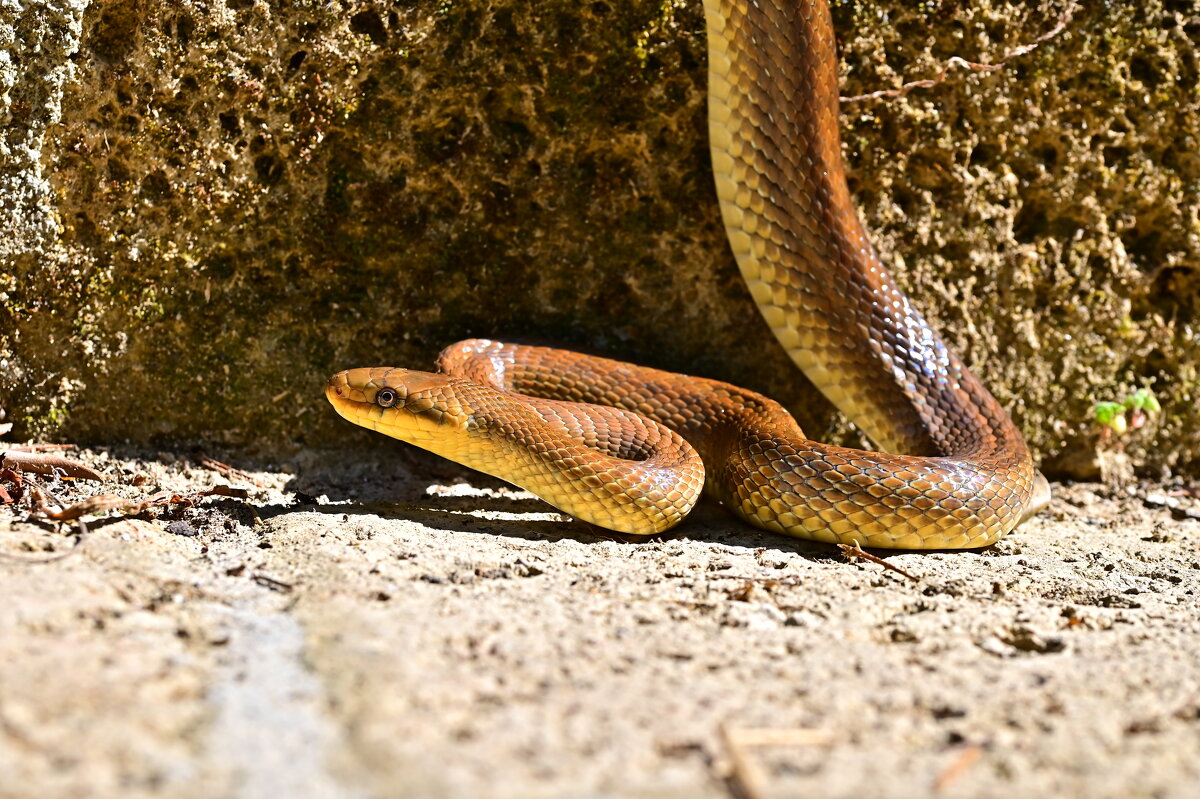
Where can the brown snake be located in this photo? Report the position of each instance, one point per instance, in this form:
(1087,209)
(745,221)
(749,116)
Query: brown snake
(509,410)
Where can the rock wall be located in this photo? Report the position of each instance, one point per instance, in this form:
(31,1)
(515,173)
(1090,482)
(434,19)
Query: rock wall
(209,207)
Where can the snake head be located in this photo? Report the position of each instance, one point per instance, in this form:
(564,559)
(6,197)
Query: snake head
(402,403)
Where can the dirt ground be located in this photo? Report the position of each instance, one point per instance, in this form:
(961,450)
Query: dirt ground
(361,629)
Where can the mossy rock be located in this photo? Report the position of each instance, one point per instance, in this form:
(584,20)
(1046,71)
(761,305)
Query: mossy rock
(217,205)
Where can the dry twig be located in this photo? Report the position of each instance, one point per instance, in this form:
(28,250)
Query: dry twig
(855,551)
(38,463)
(231,472)
(102,503)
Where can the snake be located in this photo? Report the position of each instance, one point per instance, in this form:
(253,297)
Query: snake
(631,448)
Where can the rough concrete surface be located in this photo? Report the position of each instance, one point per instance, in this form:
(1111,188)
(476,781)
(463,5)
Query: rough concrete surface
(361,629)
(211,206)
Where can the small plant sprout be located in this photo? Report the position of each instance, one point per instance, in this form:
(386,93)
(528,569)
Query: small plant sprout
(1113,418)
(1141,404)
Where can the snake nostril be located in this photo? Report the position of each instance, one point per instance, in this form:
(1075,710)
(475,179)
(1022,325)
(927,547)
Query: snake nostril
(337,386)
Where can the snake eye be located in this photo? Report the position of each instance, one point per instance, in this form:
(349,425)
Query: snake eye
(386,397)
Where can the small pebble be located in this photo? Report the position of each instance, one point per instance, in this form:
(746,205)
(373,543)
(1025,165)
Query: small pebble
(182,528)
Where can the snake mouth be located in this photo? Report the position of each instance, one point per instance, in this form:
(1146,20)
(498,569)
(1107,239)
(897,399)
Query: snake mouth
(352,394)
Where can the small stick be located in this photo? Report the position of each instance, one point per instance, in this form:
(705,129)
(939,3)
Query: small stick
(956,61)
(855,551)
(964,761)
(93,505)
(266,581)
(47,464)
(747,779)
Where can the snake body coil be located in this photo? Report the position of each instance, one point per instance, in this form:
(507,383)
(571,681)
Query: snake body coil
(966,478)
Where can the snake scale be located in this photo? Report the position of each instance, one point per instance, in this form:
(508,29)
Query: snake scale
(635,458)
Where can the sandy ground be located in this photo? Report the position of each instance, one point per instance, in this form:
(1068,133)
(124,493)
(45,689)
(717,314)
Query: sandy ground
(358,630)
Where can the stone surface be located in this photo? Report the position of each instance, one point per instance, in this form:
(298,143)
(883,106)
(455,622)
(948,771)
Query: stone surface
(211,206)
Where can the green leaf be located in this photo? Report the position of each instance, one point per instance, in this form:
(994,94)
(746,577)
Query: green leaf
(1111,415)
(1144,400)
